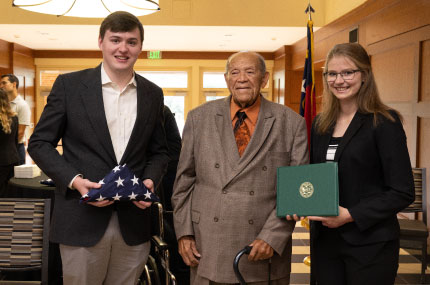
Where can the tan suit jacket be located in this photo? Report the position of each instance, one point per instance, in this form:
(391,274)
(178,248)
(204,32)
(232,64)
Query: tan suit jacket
(226,201)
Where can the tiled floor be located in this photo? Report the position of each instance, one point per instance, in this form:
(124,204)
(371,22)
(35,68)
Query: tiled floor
(408,273)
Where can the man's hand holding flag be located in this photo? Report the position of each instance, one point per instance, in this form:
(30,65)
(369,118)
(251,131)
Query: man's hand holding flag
(121,184)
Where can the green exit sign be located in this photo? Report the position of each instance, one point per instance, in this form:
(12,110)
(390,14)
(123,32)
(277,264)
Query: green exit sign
(154,54)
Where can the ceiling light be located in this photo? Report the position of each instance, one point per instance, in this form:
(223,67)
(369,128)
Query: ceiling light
(88,8)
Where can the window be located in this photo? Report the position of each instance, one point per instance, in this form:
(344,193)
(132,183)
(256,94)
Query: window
(214,86)
(167,79)
(176,105)
(214,80)
(174,84)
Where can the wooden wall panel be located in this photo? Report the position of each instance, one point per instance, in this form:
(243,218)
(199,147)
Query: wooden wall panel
(394,73)
(397,18)
(396,63)
(424,94)
(23,64)
(296,86)
(4,54)
(23,67)
(279,79)
(409,125)
(318,88)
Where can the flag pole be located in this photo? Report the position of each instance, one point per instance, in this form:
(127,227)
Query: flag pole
(307,102)
(309,10)
(307,98)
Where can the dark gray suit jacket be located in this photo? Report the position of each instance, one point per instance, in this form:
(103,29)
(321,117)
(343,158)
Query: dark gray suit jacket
(75,114)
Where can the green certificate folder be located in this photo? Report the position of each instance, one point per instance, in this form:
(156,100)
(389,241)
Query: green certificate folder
(308,190)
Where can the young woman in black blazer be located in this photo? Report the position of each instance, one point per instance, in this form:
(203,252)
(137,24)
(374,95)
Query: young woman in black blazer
(366,138)
(8,141)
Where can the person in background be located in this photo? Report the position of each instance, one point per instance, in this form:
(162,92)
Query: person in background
(367,140)
(10,84)
(8,141)
(174,144)
(177,265)
(106,116)
(224,197)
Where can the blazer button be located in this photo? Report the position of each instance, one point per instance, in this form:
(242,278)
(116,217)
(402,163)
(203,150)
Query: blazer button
(264,168)
(250,222)
(215,219)
(251,193)
(224,191)
(216,165)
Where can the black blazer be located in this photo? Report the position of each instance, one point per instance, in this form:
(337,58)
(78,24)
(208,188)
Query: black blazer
(9,144)
(75,113)
(375,177)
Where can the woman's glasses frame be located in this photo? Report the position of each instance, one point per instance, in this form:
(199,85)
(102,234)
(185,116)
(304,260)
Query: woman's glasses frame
(345,74)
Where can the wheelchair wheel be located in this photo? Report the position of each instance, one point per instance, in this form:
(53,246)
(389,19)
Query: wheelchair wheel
(150,275)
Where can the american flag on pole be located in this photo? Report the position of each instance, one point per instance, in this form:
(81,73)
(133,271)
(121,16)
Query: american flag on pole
(307,101)
(120,185)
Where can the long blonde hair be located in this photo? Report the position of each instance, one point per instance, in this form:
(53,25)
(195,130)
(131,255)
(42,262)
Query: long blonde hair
(368,99)
(6,112)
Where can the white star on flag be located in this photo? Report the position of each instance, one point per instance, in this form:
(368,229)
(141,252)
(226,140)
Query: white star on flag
(117,168)
(135,180)
(117,197)
(101,198)
(101,182)
(148,195)
(119,182)
(132,196)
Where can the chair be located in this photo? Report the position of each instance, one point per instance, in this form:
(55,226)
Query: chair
(414,233)
(24,238)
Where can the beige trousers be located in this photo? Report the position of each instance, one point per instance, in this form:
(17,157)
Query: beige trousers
(199,280)
(110,262)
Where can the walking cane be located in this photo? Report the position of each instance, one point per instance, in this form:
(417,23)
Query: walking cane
(245,250)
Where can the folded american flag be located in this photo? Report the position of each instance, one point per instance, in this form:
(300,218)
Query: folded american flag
(120,185)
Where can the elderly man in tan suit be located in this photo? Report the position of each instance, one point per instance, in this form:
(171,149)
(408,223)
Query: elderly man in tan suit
(225,190)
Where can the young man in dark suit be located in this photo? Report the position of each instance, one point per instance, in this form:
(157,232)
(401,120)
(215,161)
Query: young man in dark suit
(105,116)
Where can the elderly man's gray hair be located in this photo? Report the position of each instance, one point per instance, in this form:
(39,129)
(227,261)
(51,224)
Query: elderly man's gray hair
(261,62)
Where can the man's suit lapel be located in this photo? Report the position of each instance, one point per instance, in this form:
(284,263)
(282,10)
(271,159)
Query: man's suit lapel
(262,130)
(92,99)
(353,127)
(225,132)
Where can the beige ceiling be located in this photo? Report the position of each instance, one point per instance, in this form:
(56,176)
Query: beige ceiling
(182,25)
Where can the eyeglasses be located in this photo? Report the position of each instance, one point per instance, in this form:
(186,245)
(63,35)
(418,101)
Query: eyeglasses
(346,75)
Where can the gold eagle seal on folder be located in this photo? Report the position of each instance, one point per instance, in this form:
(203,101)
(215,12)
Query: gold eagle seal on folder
(306,189)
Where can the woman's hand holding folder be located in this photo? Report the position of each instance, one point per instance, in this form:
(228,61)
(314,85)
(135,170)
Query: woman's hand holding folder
(344,217)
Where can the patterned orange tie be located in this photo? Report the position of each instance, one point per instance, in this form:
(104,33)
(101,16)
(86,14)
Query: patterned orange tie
(241,132)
